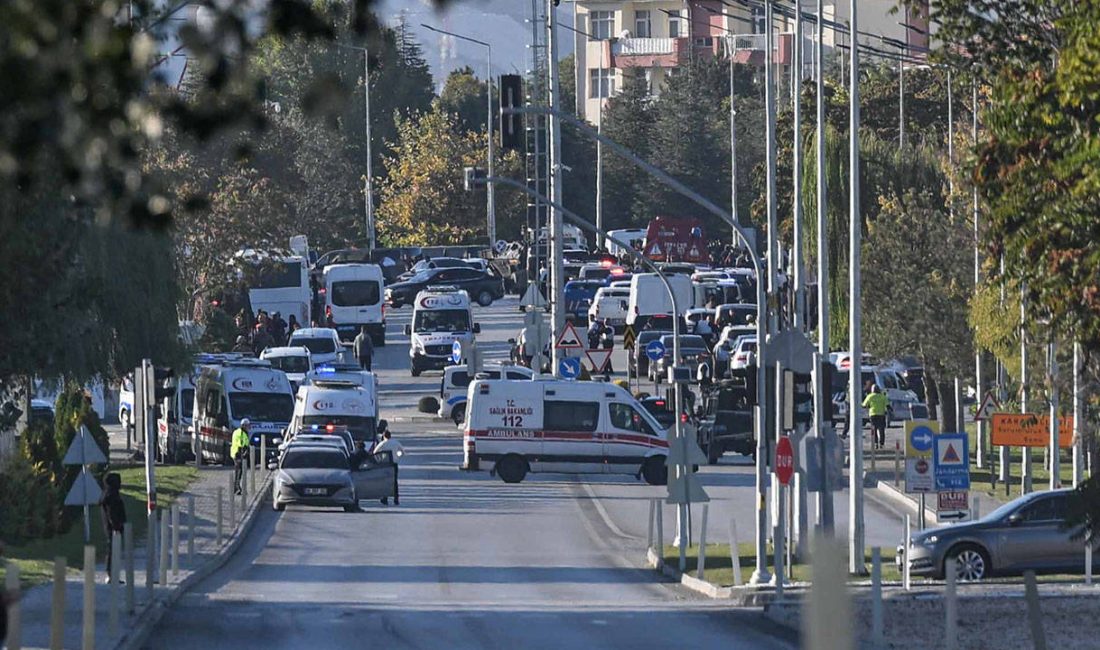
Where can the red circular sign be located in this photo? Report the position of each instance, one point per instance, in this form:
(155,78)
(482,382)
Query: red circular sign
(922,466)
(784,460)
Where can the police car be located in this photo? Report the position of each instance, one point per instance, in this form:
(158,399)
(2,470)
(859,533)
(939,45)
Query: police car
(516,427)
(456,381)
(441,316)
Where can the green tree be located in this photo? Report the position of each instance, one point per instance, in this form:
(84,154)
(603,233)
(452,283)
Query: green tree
(628,118)
(464,95)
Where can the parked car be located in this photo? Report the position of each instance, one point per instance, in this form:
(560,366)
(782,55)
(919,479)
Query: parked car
(693,352)
(1024,534)
(484,287)
(578,298)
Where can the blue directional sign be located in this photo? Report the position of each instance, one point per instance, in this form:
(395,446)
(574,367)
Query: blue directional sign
(456,352)
(921,438)
(655,350)
(570,367)
(951,462)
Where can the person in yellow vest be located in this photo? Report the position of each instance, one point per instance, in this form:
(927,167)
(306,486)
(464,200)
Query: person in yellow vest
(876,404)
(238,451)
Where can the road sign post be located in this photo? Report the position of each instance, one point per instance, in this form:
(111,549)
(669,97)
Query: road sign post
(84,451)
(569,367)
(951,462)
(919,437)
(456,352)
(654,351)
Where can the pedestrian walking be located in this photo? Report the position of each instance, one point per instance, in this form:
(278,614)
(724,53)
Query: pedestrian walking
(363,347)
(396,452)
(292,325)
(876,405)
(238,451)
(114,513)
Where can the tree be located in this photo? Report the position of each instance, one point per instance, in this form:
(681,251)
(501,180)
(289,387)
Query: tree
(628,119)
(464,95)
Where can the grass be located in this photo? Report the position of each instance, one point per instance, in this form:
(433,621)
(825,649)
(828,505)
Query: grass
(980,479)
(719,569)
(35,558)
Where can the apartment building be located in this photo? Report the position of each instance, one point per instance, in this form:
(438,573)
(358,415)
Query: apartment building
(658,36)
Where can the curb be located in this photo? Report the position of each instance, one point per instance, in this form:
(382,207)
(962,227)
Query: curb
(746,596)
(148,616)
(887,492)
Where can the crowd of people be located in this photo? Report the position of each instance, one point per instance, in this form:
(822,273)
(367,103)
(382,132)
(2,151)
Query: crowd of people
(254,335)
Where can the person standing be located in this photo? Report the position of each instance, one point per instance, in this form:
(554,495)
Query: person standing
(396,451)
(364,348)
(876,405)
(238,451)
(114,513)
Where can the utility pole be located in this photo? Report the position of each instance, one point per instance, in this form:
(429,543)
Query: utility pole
(730,39)
(855,390)
(1025,468)
(825,497)
(557,269)
(796,84)
(901,101)
(599,146)
(369,182)
(1078,413)
(490,206)
(769,131)
(1052,366)
(979,389)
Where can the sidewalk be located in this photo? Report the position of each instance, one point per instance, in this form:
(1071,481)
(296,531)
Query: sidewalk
(36,603)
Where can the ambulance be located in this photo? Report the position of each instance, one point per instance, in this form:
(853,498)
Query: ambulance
(232,390)
(441,316)
(175,423)
(337,403)
(552,425)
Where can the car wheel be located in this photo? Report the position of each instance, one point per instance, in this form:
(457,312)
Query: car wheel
(971,563)
(484,298)
(351,508)
(458,414)
(415,370)
(655,471)
(512,468)
(714,452)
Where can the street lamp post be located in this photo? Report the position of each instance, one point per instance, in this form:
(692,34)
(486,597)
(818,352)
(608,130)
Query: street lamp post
(368,184)
(855,396)
(490,202)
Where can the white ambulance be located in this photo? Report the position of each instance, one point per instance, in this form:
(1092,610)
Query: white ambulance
(175,419)
(516,427)
(353,294)
(236,389)
(339,403)
(441,316)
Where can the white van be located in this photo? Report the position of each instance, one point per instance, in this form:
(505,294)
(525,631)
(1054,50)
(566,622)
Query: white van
(175,421)
(323,344)
(633,236)
(610,304)
(354,294)
(339,403)
(233,390)
(516,427)
(649,297)
(441,316)
(456,381)
(295,361)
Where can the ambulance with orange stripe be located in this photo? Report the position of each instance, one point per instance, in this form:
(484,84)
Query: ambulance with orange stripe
(550,425)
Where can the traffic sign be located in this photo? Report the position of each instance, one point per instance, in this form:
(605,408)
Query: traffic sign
(84,450)
(1029,430)
(85,491)
(919,436)
(570,367)
(629,337)
(784,460)
(456,352)
(655,350)
(951,462)
(985,411)
(598,358)
(569,339)
(683,456)
(953,505)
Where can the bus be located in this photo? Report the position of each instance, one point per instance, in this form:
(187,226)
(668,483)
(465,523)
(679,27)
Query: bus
(280,284)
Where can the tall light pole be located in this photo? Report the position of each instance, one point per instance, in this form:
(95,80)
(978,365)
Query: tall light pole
(825,497)
(796,254)
(732,47)
(368,184)
(855,346)
(769,131)
(557,261)
(978,384)
(490,202)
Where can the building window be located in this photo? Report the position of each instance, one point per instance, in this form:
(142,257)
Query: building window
(601,83)
(674,22)
(759,20)
(642,24)
(600,25)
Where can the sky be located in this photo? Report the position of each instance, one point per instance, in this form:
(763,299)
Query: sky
(498,22)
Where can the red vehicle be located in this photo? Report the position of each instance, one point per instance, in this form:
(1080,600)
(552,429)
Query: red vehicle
(676,239)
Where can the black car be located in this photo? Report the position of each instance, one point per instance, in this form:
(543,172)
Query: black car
(638,362)
(483,286)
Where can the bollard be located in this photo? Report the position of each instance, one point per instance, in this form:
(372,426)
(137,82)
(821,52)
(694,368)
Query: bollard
(57,606)
(151,554)
(128,552)
(977,514)
(191,531)
(951,627)
(1088,563)
(905,554)
(251,475)
(232,510)
(1034,616)
(221,499)
(175,540)
(15,626)
(660,536)
(877,639)
(735,553)
(897,464)
(702,546)
(828,601)
(649,524)
(164,542)
(112,592)
(88,627)
(874,454)
(263,455)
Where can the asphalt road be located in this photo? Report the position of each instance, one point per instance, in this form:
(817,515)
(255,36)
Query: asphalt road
(467,561)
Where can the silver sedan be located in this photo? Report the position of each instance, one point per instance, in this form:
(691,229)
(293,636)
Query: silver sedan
(314,476)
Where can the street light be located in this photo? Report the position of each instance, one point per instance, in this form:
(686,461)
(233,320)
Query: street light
(368,186)
(490,203)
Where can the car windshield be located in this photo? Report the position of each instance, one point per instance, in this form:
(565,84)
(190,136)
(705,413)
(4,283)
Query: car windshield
(360,427)
(290,364)
(187,405)
(355,293)
(596,274)
(442,320)
(314,459)
(261,407)
(687,341)
(315,346)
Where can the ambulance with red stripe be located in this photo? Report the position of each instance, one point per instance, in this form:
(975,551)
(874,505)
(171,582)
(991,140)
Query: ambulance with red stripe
(235,389)
(550,425)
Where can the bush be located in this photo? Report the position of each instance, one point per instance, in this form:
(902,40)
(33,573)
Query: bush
(29,504)
(74,409)
(428,404)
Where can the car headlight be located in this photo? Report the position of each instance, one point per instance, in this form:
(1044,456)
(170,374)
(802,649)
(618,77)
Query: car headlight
(417,346)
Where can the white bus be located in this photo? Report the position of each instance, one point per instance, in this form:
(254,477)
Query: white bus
(281,285)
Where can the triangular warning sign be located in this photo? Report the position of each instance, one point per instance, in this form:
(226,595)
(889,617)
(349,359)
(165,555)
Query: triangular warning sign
(569,339)
(694,252)
(598,358)
(951,456)
(655,249)
(533,297)
(989,404)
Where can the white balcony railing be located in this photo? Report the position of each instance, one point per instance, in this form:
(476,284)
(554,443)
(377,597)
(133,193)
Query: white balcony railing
(643,46)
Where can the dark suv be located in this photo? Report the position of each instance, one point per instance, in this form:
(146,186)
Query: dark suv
(482,286)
